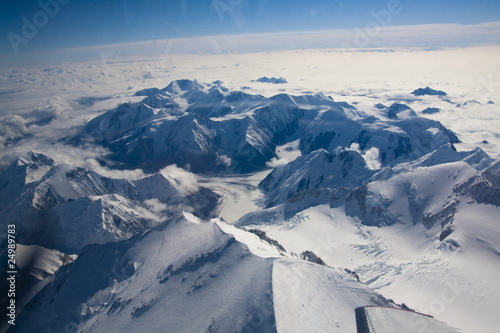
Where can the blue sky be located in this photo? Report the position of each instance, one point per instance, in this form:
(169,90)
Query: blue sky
(85,23)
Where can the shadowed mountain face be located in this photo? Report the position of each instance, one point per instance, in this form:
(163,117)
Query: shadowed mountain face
(209,129)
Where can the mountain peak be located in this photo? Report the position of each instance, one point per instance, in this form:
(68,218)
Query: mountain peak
(32,157)
(273,79)
(183,85)
(428,91)
(397,110)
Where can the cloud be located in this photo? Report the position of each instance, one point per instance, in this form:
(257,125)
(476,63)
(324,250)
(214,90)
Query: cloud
(12,127)
(276,162)
(183,180)
(156,206)
(56,108)
(82,156)
(388,36)
(16,128)
(94,165)
(285,154)
(428,35)
(371,156)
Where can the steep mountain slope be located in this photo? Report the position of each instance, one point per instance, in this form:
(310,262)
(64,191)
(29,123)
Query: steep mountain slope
(195,127)
(45,262)
(412,232)
(426,191)
(24,170)
(318,169)
(70,207)
(207,129)
(186,275)
(397,140)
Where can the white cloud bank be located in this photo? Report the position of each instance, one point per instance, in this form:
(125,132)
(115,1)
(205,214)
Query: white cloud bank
(428,35)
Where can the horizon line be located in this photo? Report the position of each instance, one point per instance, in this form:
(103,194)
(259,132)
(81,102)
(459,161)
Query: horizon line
(435,35)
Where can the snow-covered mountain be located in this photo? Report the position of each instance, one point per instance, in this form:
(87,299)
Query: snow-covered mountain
(192,276)
(426,191)
(44,262)
(202,129)
(23,171)
(69,207)
(402,136)
(207,128)
(348,209)
(416,225)
(318,169)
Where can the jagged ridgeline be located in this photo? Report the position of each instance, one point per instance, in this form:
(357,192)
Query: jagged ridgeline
(207,128)
(64,207)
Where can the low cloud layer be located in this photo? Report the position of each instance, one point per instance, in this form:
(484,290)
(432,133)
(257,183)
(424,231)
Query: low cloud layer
(183,180)
(55,108)
(93,164)
(12,127)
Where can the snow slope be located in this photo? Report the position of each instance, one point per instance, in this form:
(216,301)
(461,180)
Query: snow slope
(24,170)
(43,262)
(380,319)
(188,275)
(422,235)
(318,169)
(70,207)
